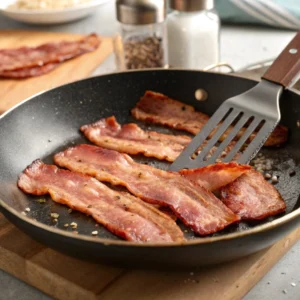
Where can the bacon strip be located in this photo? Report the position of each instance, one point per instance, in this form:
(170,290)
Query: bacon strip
(121,213)
(252,197)
(29,72)
(160,109)
(194,205)
(213,177)
(32,61)
(131,139)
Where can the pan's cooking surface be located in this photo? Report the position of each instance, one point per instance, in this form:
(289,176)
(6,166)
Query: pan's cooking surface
(284,168)
(50,122)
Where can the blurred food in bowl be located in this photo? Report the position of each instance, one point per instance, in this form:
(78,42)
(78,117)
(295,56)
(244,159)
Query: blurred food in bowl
(45,4)
(49,11)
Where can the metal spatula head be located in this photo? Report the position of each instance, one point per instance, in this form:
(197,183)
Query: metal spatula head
(247,119)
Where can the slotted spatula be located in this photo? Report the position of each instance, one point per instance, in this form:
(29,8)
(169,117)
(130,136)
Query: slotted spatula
(255,111)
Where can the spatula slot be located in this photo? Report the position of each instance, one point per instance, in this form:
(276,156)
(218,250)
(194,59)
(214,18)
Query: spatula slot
(220,149)
(243,142)
(207,148)
(206,145)
(261,132)
(248,142)
(203,139)
(231,136)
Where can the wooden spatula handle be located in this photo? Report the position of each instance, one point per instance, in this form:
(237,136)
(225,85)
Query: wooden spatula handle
(287,65)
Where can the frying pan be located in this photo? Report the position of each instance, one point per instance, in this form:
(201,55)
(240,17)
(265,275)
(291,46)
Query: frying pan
(50,122)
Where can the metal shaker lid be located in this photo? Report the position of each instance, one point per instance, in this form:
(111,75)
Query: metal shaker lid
(191,5)
(140,12)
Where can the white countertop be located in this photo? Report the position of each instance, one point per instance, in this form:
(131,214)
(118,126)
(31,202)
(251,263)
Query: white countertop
(240,46)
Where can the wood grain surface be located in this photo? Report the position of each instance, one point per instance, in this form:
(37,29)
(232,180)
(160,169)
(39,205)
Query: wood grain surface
(13,91)
(286,67)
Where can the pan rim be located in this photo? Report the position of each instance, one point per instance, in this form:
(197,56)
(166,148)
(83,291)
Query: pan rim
(109,242)
(119,72)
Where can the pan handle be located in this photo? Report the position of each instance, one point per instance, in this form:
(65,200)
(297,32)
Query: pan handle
(286,68)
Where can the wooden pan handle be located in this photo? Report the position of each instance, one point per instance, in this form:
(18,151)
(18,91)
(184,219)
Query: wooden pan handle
(287,65)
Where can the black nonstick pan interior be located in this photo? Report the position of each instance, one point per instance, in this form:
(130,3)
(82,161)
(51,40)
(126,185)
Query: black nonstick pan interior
(50,122)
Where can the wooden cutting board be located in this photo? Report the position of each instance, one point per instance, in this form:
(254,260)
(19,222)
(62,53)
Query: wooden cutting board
(12,91)
(67,278)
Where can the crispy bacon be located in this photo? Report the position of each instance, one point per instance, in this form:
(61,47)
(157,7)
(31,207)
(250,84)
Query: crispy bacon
(213,177)
(121,213)
(252,197)
(130,138)
(32,61)
(160,109)
(194,205)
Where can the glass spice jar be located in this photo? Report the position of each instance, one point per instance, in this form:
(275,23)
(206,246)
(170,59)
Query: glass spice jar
(193,34)
(141,42)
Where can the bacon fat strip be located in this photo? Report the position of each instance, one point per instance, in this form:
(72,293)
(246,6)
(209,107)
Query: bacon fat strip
(49,53)
(215,176)
(160,109)
(131,139)
(29,72)
(121,213)
(196,207)
(252,197)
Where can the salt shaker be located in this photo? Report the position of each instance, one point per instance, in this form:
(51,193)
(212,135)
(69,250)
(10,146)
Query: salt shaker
(193,34)
(142,40)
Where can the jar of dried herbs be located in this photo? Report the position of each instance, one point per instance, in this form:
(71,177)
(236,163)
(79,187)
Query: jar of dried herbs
(141,42)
